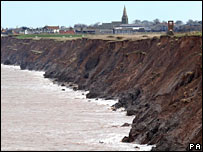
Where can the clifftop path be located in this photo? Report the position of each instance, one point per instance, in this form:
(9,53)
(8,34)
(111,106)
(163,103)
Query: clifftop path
(159,80)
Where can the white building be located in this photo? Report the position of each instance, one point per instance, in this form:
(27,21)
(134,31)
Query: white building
(128,29)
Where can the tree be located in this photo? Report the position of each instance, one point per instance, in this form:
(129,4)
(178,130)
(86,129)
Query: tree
(190,22)
(80,25)
(137,22)
(156,21)
(146,23)
(70,28)
(164,21)
(179,22)
(196,23)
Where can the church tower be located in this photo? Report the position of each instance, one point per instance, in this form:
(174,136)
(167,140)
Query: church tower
(125,17)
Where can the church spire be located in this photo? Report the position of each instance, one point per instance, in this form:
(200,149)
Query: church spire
(124,11)
(124,17)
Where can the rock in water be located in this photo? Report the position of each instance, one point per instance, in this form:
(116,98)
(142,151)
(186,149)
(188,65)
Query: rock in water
(126,125)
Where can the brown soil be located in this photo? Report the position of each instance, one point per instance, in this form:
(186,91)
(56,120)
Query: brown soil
(159,80)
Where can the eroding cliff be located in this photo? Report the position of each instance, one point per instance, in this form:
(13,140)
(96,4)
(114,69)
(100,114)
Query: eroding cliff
(158,80)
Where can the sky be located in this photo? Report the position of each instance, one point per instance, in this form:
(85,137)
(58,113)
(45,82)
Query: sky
(67,13)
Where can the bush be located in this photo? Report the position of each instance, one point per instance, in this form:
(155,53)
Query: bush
(119,38)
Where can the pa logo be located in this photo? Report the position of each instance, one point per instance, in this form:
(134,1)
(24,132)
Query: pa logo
(195,146)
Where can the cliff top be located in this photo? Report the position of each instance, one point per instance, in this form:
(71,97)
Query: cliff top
(134,37)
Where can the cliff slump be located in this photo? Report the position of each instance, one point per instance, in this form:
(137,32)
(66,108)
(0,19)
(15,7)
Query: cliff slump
(158,80)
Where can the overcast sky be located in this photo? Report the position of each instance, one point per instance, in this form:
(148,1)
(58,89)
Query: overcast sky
(62,13)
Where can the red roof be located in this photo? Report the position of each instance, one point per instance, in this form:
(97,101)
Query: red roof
(66,32)
(52,27)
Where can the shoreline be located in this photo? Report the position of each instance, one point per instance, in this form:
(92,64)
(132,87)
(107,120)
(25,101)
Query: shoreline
(99,102)
(73,87)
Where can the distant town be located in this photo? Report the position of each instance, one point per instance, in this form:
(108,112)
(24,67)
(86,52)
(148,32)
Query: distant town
(115,27)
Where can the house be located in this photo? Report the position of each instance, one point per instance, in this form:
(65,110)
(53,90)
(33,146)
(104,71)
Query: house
(86,30)
(105,31)
(51,29)
(128,29)
(66,31)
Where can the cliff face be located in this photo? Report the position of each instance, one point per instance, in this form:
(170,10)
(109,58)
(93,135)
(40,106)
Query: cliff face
(157,80)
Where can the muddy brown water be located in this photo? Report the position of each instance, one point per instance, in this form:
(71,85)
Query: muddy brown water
(38,115)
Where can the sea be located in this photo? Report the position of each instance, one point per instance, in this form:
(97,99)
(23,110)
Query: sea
(37,114)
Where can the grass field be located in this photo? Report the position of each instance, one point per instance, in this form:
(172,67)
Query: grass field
(134,37)
(195,33)
(47,36)
(64,37)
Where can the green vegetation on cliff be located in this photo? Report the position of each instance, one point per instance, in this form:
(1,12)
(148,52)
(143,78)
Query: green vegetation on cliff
(23,36)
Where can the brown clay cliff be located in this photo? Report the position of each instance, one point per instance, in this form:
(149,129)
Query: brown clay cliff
(159,80)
